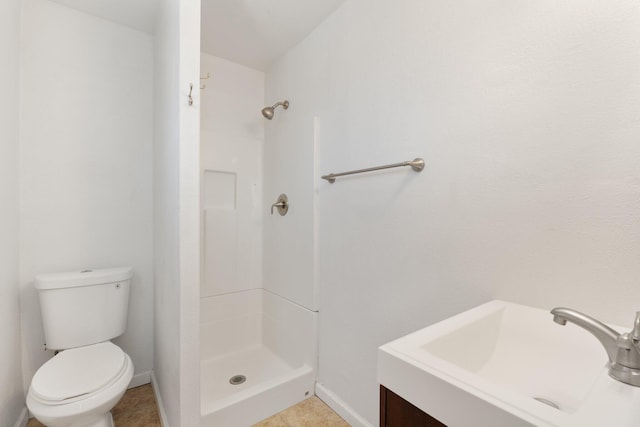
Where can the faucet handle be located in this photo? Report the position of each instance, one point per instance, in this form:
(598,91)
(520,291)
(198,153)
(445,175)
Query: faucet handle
(282,205)
(635,332)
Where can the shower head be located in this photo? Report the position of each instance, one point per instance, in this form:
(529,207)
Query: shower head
(268,112)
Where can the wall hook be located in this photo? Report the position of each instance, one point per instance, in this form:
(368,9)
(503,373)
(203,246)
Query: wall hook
(190,93)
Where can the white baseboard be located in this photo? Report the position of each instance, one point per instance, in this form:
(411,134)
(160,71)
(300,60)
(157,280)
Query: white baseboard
(163,414)
(340,407)
(140,379)
(23,419)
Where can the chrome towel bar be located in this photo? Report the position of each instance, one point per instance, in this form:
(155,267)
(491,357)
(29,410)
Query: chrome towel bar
(416,164)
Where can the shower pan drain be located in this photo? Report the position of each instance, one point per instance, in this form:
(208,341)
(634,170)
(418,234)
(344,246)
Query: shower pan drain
(237,379)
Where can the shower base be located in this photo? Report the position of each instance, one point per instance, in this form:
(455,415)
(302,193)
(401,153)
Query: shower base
(271,386)
(267,340)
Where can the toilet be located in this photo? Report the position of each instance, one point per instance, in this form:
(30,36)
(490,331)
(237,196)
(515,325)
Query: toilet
(81,312)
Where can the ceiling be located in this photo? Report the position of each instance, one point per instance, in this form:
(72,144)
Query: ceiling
(138,14)
(256,32)
(250,32)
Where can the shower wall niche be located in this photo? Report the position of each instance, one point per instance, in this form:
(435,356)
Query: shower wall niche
(258,345)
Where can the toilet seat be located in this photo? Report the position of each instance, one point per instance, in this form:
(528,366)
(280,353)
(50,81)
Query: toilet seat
(76,374)
(92,408)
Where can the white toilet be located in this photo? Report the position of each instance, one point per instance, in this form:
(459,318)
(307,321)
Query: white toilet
(81,312)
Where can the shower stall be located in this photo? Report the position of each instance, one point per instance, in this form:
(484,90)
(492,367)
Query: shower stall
(258,322)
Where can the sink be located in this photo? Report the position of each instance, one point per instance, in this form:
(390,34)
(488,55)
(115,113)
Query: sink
(505,364)
(520,348)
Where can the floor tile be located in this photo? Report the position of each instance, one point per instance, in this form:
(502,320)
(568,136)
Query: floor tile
(311,412)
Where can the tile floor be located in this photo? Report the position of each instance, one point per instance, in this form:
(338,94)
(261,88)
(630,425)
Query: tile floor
(312,412)
(138,409)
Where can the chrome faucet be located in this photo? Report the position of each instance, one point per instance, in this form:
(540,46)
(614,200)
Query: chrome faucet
(623,349)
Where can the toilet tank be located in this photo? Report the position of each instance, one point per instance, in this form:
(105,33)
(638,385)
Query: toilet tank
(83,307)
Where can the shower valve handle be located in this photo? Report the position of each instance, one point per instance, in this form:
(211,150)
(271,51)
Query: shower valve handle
(277,205)
(282,205)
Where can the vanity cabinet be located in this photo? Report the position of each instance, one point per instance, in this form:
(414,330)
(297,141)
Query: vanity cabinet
(397,412)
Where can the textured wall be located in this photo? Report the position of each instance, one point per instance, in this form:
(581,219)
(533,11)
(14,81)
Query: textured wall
(176,212)
(86,168)
(166,227)
(527,116)
(11,389)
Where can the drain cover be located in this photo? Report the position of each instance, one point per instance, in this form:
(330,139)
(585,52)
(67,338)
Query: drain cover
(547,402)
(237,379)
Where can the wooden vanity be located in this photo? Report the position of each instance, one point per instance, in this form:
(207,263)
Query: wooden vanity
(397,412)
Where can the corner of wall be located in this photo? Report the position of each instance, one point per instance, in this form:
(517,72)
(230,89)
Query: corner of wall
(163,415)
(23,418)
(340,407)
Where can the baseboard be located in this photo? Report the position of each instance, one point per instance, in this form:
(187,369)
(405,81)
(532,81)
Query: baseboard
(23,419)
(340,407)
(163,414)
(140,379)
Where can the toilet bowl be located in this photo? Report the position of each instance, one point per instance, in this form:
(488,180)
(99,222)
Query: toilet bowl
(81,312)
(79,387)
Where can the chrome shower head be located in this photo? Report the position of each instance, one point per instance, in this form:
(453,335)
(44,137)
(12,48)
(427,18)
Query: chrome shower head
(268,112)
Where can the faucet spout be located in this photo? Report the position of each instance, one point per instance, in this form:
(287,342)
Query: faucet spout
(608,337)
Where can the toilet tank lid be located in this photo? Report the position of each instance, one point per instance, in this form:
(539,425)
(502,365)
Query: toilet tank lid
(82,278)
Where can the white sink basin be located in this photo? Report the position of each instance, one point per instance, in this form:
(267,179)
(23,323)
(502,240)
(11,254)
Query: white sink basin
(487,366)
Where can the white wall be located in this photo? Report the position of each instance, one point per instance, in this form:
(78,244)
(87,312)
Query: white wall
(232,136)
(527,116)
(166,212)
(86,169)
(290,244)
(176,212)
(11,389)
